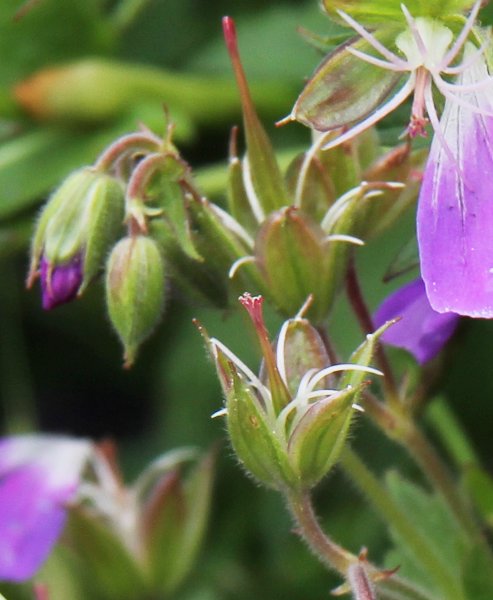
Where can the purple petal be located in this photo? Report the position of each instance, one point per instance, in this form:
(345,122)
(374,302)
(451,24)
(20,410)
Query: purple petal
(61,284)
(38,476)
(455,211)
(421,331)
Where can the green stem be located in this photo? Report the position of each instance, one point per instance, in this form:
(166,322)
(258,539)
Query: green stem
(391,513)
(453,437)
(337,558)
(329,553)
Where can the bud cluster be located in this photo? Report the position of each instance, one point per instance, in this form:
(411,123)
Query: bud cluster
(286,236)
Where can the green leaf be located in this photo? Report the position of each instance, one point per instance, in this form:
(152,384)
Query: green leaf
(433,520)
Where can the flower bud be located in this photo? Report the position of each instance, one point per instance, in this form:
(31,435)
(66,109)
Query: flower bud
(288,427)
(135,290)
(292,255)
(73,233)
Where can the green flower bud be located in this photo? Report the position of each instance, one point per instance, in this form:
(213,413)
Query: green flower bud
(292,253)
(74,231)
(289,427)
(135,291)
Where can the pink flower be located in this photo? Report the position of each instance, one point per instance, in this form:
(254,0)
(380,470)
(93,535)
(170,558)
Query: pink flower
(39,475)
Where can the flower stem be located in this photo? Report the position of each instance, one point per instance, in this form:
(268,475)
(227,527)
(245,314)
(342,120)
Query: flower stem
(329,553)
(360,309)
(417,544)
(132,143)
(335,557)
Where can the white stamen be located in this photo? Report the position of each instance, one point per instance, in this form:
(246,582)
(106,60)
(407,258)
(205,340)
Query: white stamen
(471,60)
(281,341)
(239,263)
(415,31)
(233,225)
(253,380)
(250,192)
(222,412)
(462,37)
(338,368)
(372,40)
(373,60)
(341,237)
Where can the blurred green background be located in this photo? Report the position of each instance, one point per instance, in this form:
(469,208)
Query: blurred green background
(61,371)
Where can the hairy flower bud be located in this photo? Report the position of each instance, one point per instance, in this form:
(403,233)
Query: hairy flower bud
(289,425)
(73,233)
(135,290)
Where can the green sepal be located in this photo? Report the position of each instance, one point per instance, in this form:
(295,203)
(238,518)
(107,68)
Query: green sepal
(174,522)
(303,349)
(251,435)
(104,221)
(345,89)
(291,253)
(382,12)
(135,291)
(363,356)
(317,440)
(318,192)
(222,241)
(196,279)
(105,563)
(265,174)
(238,202)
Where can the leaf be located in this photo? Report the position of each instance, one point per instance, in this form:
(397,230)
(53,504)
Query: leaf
(433,520)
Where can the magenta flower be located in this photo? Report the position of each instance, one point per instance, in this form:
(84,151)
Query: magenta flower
(421,331)
(60,283)
(455,211)
(39,475)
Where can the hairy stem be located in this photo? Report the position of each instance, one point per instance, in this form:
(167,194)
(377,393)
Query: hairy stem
(329,553)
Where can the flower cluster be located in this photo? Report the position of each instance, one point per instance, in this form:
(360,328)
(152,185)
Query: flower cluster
(454,218)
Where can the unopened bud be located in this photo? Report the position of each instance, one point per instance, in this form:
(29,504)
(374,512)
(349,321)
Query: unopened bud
(135,291)
(75,228)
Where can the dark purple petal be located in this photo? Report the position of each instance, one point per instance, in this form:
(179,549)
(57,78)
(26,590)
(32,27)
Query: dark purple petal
(38,476)
(62,284)
(455,211)
(421,331)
